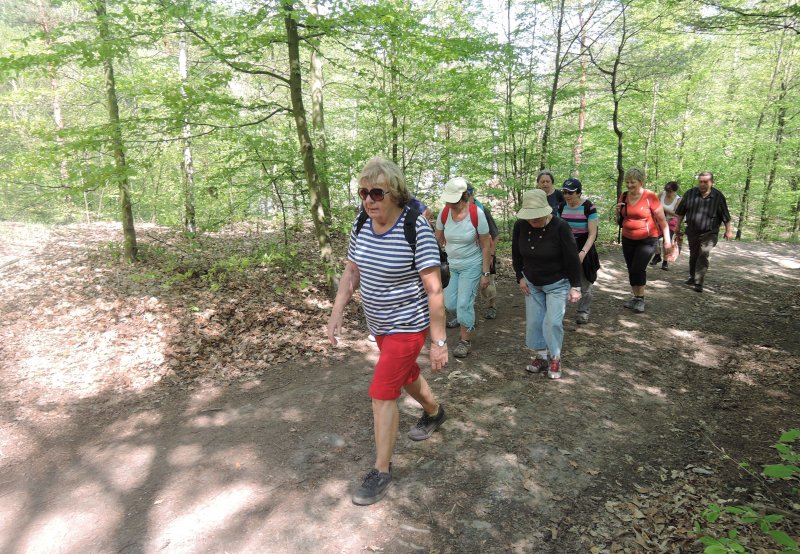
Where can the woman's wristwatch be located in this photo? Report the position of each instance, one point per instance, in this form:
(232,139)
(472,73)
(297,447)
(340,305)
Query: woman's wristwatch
(486,273)
(440,343)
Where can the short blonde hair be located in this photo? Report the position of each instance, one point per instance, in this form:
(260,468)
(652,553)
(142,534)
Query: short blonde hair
(636,174)
(380,170)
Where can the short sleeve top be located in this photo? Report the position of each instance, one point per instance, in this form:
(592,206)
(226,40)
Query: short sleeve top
(392,293)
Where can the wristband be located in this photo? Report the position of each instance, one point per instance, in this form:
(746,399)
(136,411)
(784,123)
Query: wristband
(486,273)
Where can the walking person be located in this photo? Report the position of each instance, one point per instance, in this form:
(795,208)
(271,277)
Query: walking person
(489,293)
(581,215)
(704,208)
(546,182)
(402,299)
(547,267)
(669,199)
(642,222)
(464,232)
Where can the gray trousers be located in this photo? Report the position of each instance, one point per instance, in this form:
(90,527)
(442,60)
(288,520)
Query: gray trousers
(700,246)
(585,303)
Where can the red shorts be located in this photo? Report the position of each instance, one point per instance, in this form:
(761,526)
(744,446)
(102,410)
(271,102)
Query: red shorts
(397,365)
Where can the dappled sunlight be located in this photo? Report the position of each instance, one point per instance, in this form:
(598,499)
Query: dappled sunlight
(69,529)
(120,477)
(650,390)
(195,524)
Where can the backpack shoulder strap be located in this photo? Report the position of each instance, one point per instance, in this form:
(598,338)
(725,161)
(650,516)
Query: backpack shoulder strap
(361,220)
(473,215)
(410,232)
(587,207)
(410,229)
(445,212)
(560,208)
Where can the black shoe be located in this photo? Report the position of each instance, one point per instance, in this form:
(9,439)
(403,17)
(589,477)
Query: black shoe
(698,287)
(373,488)
(665,266)
(689,281)
(427,425)
(656,259)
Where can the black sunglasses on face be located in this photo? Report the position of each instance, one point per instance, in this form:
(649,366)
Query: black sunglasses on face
(377,195)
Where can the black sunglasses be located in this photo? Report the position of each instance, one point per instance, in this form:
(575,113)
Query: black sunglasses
(377,195)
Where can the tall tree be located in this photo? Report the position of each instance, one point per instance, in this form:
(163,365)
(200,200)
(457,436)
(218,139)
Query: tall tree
(115,131)
(187,164)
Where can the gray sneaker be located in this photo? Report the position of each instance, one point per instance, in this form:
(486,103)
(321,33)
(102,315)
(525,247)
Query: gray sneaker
(373,488)
(491,313)
(426,425)
(462,349)
(630,303)
(638,305)
(453,323)
(582,317)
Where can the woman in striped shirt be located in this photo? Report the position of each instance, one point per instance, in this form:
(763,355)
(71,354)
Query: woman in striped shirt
(401,294)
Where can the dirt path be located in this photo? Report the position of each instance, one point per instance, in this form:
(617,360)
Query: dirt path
(105,448)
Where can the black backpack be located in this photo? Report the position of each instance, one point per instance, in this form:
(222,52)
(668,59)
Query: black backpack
(410,233)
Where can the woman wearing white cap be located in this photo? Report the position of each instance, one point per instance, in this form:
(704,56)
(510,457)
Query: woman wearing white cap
(548,270)
(464,232)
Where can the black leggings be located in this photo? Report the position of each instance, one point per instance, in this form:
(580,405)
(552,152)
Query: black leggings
(637,255)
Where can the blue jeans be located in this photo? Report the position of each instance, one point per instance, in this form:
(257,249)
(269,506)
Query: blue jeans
(459,296)
(544,316)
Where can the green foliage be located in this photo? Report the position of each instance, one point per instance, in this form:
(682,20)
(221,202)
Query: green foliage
(748,515)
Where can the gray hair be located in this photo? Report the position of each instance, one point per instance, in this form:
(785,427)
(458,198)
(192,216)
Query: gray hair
(380,170)
(636,174)
(704,173)
(545,172)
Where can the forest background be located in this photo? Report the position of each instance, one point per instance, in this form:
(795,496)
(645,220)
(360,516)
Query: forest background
(203,114)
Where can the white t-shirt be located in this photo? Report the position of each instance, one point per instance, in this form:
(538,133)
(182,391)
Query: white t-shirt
(462,240)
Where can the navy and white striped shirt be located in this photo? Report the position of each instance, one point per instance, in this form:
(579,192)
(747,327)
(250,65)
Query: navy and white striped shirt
(392,294)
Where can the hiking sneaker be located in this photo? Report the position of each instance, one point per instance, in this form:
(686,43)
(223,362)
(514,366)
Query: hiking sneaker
(638,305)
(665,265)
(537,365)
(427,425)
(373,488)
(698,287)
(582,318)
(690,281)
(656,259)
(453,323)
(630,303)
(491,313)
(554,371)
(462,349)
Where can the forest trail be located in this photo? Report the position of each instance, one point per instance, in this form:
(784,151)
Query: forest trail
(106,446)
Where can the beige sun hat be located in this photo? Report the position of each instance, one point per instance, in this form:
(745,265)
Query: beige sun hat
(534,205)
(454,190)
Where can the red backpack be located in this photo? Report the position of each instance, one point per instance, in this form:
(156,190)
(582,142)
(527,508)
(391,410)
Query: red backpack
(473,216)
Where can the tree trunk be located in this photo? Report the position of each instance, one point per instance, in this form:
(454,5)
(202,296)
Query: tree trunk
(117,146)
(651,132)
(551,103)
(307,148)
(779,129)
(577,151)
(684,129)
(187,166)
(318,122)
(751,158)
(44,22)
(794,185)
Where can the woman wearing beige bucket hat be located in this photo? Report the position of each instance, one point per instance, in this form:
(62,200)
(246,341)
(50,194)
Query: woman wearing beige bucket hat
(547,266)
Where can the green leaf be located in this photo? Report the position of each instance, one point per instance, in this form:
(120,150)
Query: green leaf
(782,539)
(715,549)
(780,471)
(790,436)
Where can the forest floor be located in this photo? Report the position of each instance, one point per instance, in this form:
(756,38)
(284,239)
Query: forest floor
(188,405)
